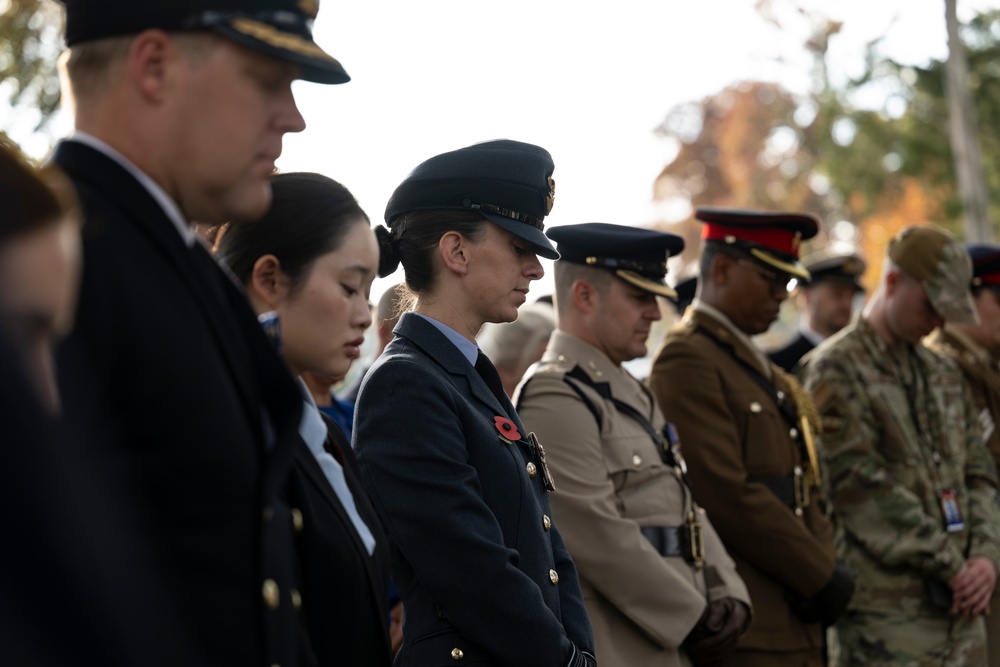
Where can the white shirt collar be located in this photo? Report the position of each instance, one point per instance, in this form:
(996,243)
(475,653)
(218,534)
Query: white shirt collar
(169,206)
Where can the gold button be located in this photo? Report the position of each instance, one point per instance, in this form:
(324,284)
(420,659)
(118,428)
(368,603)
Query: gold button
(755,407)
(457,654)
(268,513)
(798,511)
(531,469)
(296,599)
(297,522)
(562,357)
(271,593)
(793,433)
(553,577)
(636,460)
(781,395)
(546,521)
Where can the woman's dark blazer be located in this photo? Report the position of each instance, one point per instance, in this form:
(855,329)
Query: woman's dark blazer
(345,599)
(482,570)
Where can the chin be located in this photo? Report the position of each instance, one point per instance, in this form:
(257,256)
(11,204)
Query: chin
(251,205)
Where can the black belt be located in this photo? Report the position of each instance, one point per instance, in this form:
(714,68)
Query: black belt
(677,541)
(790,489)
(665,539)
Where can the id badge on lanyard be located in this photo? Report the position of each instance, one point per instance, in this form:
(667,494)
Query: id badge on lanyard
(953,522)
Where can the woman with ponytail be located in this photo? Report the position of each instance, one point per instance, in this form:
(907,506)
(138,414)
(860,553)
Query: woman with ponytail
(458,483)
(308,267)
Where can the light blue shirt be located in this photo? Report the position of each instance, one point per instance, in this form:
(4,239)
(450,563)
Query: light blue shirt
(468,349)
(312,428)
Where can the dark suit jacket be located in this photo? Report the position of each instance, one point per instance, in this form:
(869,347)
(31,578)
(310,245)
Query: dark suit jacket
(345,598)
(473,555)
(169,377)
(788,356)
(77,586)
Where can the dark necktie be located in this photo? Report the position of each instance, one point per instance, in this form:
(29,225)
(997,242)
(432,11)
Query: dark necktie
(488,372)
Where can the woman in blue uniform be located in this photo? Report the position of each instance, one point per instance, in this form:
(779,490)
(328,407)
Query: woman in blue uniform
(459,485)
(310,262)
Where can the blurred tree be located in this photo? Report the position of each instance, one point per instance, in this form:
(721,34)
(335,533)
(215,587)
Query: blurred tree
(880,168)
(29,47)
(966,152)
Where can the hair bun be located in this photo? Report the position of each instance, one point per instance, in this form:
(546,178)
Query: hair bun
(388,251)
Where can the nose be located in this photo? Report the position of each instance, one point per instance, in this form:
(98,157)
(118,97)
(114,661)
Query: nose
(289,117)
(780,291)
(653,312)
(533,267)
(363,314)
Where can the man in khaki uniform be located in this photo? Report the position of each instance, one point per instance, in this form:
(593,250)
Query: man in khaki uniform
(746,431)
(659,587)
(975,348)
(913,486)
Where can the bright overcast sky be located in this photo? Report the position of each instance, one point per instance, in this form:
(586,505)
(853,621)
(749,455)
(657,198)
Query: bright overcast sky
(588,81)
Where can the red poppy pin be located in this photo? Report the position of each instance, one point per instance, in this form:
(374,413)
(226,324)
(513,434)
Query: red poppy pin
(507,429)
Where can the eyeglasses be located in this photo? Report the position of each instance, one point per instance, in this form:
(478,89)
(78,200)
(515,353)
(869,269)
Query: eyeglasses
(776,280)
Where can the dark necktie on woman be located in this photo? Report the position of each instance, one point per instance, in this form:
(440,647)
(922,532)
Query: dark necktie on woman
(488,372)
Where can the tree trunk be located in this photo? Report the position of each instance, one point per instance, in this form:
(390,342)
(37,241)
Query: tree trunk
(964,132)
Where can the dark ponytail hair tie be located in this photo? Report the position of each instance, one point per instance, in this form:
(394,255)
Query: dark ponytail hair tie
(388,249)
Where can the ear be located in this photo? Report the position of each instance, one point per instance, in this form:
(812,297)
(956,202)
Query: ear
(268,283)
(150,56)
(454,251)
(720,268)
(892,280)
(584,296)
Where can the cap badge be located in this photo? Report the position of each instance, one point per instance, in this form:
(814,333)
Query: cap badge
(551,198)
(309,7)
(853,267)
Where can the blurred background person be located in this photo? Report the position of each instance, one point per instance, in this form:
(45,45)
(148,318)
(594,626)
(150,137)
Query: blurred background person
(514,346)
(976,349)
(825,303)
(78,583)
(685,290)
(341,411)
(40,264)
(311,260)
(485,578)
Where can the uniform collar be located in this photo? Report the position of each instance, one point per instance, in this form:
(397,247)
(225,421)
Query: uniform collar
(758,355)
(159,195)
(568,350)
(960,339)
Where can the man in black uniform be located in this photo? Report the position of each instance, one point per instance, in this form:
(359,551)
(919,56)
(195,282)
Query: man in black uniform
(180,109)
(825,302)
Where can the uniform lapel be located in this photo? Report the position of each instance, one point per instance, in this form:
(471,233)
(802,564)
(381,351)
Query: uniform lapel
(443,351)
(203,282)
(724,335)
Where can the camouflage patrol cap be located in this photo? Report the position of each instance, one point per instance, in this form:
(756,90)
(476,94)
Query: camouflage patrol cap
(941,264)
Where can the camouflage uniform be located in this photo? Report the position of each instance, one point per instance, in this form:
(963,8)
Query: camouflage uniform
(899,425)
(982,373)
